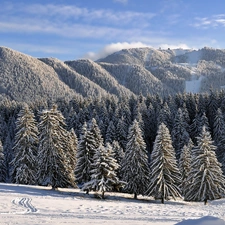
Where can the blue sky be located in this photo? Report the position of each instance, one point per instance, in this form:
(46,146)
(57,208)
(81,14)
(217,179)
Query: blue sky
(75,29)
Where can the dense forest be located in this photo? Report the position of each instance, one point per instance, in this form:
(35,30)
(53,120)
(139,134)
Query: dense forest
(165,147)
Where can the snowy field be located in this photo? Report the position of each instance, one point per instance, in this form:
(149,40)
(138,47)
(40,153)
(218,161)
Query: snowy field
(20,204)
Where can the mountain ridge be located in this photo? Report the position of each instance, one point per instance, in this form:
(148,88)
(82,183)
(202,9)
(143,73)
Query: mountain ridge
(123,74)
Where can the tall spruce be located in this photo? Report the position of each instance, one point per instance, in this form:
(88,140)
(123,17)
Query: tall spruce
(84,157)
(205,180)
(135,167)
(2,164)
(24,163)
(53,163)
(185,164)
(165,175)
(179,133)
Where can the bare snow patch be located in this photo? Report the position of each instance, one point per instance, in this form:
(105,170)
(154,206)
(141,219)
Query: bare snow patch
(207,220)
(194,85)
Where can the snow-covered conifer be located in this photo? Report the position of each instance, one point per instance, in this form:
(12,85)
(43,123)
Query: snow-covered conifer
(84,158)
(72,150)
(53,163)
(185,163)
(135,168)
(165,175)
(111,132)
(2,164)
(103,175)
(205,180)
(179,133)
(24,163)
(119,156)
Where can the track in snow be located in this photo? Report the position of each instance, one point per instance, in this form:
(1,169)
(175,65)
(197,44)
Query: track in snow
(25,203)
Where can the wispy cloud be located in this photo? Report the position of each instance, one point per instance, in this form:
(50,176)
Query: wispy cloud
(114,47)
(73,13)
(208,22)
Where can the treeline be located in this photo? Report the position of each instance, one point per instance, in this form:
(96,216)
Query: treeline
(151,146)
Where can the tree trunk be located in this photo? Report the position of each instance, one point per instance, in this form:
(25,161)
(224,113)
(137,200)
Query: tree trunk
(103,195)
(135,195)
(162,200)
(205,201)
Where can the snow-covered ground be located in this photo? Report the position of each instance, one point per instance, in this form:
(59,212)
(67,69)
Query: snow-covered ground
(193,85)
(20,204)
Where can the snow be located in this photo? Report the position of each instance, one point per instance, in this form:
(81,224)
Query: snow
(21,204)
(194,85)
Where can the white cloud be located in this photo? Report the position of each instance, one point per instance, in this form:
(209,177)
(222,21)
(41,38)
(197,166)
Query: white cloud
(207,22)
(59,12)
(114,47)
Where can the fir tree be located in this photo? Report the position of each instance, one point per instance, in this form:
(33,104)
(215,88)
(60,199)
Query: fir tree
(205,180)
(84,158)
(24,163)
(185,164)
(165,175)
(135,164)
(103,175)
(179,133)
(54,168)
(72,150)
(111,132)
(119,156)
(2,164)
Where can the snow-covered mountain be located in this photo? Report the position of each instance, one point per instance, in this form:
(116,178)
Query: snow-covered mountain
(123,73)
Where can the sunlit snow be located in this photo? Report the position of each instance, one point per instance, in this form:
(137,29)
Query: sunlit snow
(21,204)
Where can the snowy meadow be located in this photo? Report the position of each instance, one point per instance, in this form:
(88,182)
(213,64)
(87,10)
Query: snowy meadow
(24,204)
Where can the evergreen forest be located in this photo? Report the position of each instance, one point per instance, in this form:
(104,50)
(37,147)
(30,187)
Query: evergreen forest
(164,147)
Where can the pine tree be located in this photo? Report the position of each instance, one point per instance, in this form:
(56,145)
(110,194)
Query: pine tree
(185,164)
(24,163)
(205,180)
(165,175)
(135,168)
(103,175)
(54,168)
(119,156)
(72,150)
(219,137)
(2,164)
(84,158)
(179,133)
(111,132)
(8,153)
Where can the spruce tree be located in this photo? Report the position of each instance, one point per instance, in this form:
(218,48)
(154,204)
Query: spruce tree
(165,175)
(103,173)
(179,133)
(24,163)
(185,164)
(53,162)
(205,180)
(72,149)
(84,157)
(2,164)
(135,168)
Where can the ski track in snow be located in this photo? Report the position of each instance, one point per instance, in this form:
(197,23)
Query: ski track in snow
(25,203)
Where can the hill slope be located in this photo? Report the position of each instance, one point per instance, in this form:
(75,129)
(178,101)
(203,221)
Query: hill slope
(24,78)
(100,76)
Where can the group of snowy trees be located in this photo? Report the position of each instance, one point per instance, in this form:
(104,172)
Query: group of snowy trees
(165,148)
